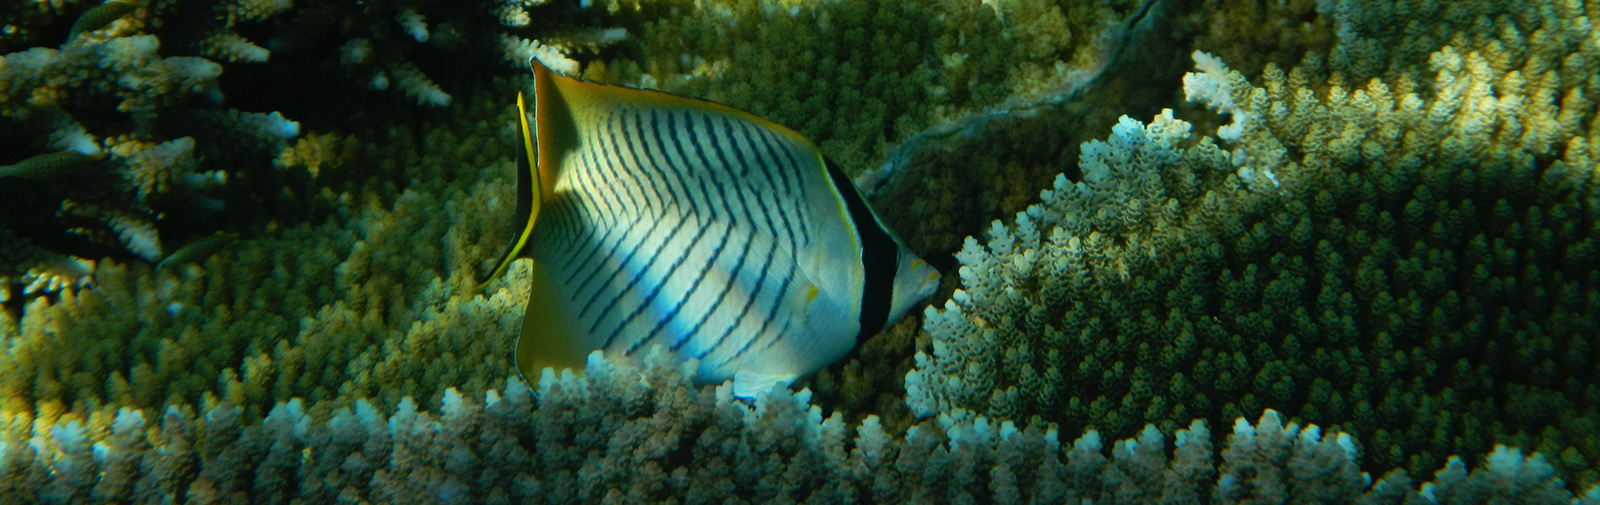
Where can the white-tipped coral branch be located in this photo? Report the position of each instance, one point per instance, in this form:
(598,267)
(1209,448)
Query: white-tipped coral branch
(518,50)
(417,86)
(514,13)
(152,167)
(73,137)
(355,52)
(232,47)
(256,10)
(138,235)
(270,127)
(622,430)
(415,24)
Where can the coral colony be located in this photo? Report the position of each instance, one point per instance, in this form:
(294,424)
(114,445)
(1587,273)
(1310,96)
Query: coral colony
(1224,252)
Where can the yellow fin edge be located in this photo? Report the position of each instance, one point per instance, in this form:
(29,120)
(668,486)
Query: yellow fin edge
(536,196)
(579,94)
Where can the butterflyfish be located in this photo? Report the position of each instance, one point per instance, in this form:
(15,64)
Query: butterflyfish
(199,250)
(100,16)
(654,219)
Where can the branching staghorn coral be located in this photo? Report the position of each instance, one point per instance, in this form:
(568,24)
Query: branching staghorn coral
(857,77)
(126,67)
(316,152)
(1249,35)
(231,47)
(152,168)
(645,434)
(374,302)
(61,97)
(414,45)
(110,64)
(1395,41)
(1414,267)
(111,60)
(380,295)
(30,271)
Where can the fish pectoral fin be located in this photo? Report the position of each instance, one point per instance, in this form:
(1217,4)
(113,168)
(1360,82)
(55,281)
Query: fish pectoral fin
(791,312)
(748,384)
(549,337)
(811,309)
(802,292)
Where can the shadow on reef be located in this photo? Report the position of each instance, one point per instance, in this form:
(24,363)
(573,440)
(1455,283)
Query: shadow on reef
(1423,277)
(301,364)
(952,181)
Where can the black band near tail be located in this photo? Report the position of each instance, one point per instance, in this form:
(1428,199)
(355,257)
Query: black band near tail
(525,191)
(879,256)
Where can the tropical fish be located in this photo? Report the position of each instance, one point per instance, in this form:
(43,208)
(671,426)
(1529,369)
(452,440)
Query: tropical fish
(47,165)
(198,250)
(99,17)
(658,219)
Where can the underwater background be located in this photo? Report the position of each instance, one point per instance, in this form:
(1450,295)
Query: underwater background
(1211,251)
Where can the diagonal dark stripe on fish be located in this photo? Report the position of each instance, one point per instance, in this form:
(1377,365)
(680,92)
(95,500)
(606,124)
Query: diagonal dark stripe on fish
(712,232)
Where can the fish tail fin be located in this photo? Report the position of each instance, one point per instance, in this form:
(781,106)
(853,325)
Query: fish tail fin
(549,335)
(529,195)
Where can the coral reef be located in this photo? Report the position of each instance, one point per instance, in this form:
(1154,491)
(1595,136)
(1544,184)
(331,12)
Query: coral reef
(623,434)
(858,77)
(378,295)
(1396,42)
(134,79)
(950,181)
(1415,267)
(1393,239)
(106,94)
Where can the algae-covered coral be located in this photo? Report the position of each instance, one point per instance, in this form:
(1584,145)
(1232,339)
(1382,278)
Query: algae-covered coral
(858,77)
(1416,266)
(1393,238)
(622,435)
(310,311)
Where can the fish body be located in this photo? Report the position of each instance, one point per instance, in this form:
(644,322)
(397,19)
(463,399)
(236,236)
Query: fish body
(100,16)
(198,251)
(47,165)
(658,219)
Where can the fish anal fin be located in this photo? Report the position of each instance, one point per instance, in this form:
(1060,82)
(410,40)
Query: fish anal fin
(803,293)
(549,336)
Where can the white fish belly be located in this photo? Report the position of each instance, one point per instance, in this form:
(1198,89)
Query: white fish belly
(706,291)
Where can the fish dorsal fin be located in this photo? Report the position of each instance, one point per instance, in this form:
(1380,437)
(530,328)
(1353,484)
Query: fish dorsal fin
(556,124)
(547,330)
(578,102)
